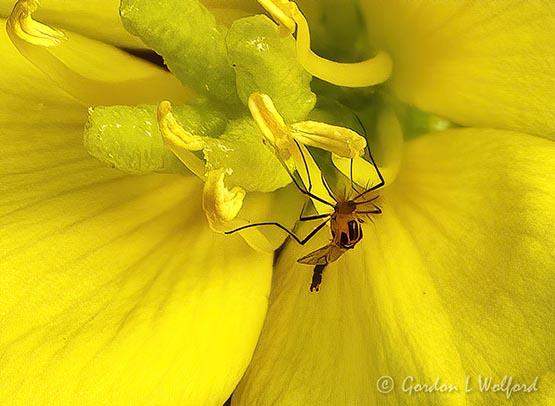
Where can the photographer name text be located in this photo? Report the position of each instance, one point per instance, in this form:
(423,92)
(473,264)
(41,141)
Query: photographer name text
(506,386)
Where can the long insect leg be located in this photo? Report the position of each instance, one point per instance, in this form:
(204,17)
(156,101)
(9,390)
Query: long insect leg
(291,233)
(302,217)
(310,180)
(303,190)
(327,186)
(315,217)
(351,177)
(314,231)
(376,186)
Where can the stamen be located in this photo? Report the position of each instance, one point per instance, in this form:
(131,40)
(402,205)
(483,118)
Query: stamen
(180,141)
(22,24)
(271,124)
(220,204)
(43,46)
(370,72)
(287,149)
(280,10)
(337,140)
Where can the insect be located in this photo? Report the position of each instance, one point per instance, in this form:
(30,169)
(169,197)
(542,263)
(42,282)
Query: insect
(345,220)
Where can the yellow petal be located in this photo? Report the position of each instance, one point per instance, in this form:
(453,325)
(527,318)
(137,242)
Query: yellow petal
(97,19)
(484,64)
(111,292)
(455,278)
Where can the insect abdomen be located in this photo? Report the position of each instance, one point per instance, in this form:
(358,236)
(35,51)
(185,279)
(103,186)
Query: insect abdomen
(346,231)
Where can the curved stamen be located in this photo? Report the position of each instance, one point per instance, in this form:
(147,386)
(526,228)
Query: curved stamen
(370,72)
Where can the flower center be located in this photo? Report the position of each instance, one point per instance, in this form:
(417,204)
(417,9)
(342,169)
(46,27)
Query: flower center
(252,123)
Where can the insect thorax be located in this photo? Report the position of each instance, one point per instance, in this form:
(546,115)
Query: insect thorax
(346,230)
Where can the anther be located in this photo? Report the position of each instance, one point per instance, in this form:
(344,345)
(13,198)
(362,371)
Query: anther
(173,132)
(21,23)
(220,204)
(337,140)
(271,124)
(181,142)
(280,10)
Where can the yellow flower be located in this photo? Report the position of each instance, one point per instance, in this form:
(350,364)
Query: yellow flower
(115,291)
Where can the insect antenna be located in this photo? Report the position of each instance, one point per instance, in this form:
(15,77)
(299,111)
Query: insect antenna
(353,184)
(376,210)
(305,164)
(351,175)
(327,186)
(382,180)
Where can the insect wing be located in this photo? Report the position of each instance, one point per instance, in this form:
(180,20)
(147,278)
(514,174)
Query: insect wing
(323,256)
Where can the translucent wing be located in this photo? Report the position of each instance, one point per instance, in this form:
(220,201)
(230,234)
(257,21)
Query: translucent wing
(323,256)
